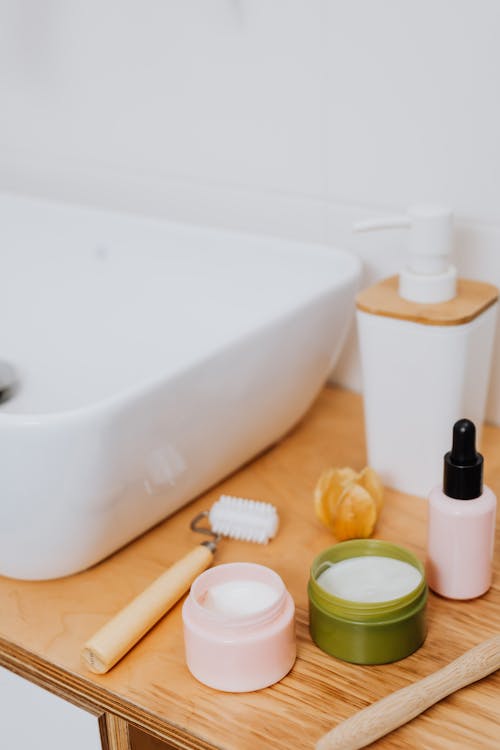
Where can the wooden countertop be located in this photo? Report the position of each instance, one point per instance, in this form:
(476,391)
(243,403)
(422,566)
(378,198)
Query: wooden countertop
(43,625)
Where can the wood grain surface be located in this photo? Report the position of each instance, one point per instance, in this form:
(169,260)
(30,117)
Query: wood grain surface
(43,625)
(400,706)
(473,298)
(116,733)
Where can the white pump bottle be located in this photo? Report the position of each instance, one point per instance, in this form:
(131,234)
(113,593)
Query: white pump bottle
(428,276)
(426,342)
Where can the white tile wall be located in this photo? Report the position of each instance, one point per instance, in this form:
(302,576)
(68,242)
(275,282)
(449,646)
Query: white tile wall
(288,117)
(413,103)
(225,91)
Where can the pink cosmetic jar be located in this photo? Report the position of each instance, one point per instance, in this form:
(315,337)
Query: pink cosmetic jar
(238,653)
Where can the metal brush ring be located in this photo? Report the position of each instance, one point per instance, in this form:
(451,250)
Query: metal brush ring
(199,529)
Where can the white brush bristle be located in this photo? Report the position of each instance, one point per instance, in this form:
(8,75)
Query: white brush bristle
(248,520)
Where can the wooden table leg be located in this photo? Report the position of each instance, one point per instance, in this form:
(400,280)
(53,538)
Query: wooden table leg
(114,732)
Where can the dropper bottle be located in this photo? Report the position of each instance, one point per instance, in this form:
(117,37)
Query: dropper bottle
(461,522)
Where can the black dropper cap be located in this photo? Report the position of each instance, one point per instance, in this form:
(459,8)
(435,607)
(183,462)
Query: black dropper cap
(463,466)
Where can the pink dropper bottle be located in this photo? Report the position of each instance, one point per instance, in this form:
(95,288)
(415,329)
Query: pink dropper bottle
(461,522)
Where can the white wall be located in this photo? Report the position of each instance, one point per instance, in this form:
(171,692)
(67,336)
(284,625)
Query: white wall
(291,117)
(31,717)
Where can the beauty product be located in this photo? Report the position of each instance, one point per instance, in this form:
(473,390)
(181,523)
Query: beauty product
(239,598)
(426,341)
(360,625)
(239,628)
(369,579)
(461,522)
(233,517)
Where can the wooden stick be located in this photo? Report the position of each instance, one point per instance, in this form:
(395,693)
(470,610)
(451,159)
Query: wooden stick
(400,707)
(119,635)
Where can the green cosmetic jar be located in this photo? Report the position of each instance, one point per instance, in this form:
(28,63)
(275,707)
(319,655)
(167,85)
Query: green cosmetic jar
(367,632)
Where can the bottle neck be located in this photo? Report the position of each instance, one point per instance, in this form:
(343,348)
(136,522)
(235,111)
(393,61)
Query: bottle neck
(428,288)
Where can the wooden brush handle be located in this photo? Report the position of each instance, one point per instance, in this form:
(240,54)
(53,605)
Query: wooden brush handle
(120,634)
(400,707)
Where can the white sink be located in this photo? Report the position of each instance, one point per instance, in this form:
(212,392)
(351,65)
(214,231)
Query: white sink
(153,359)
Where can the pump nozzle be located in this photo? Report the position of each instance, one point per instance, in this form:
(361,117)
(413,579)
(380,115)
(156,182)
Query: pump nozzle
(429,276)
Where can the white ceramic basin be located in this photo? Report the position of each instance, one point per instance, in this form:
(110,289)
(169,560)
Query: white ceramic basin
(153,359)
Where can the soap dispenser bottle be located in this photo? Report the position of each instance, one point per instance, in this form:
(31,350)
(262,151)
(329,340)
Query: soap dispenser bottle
(426,341)
(461,522)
